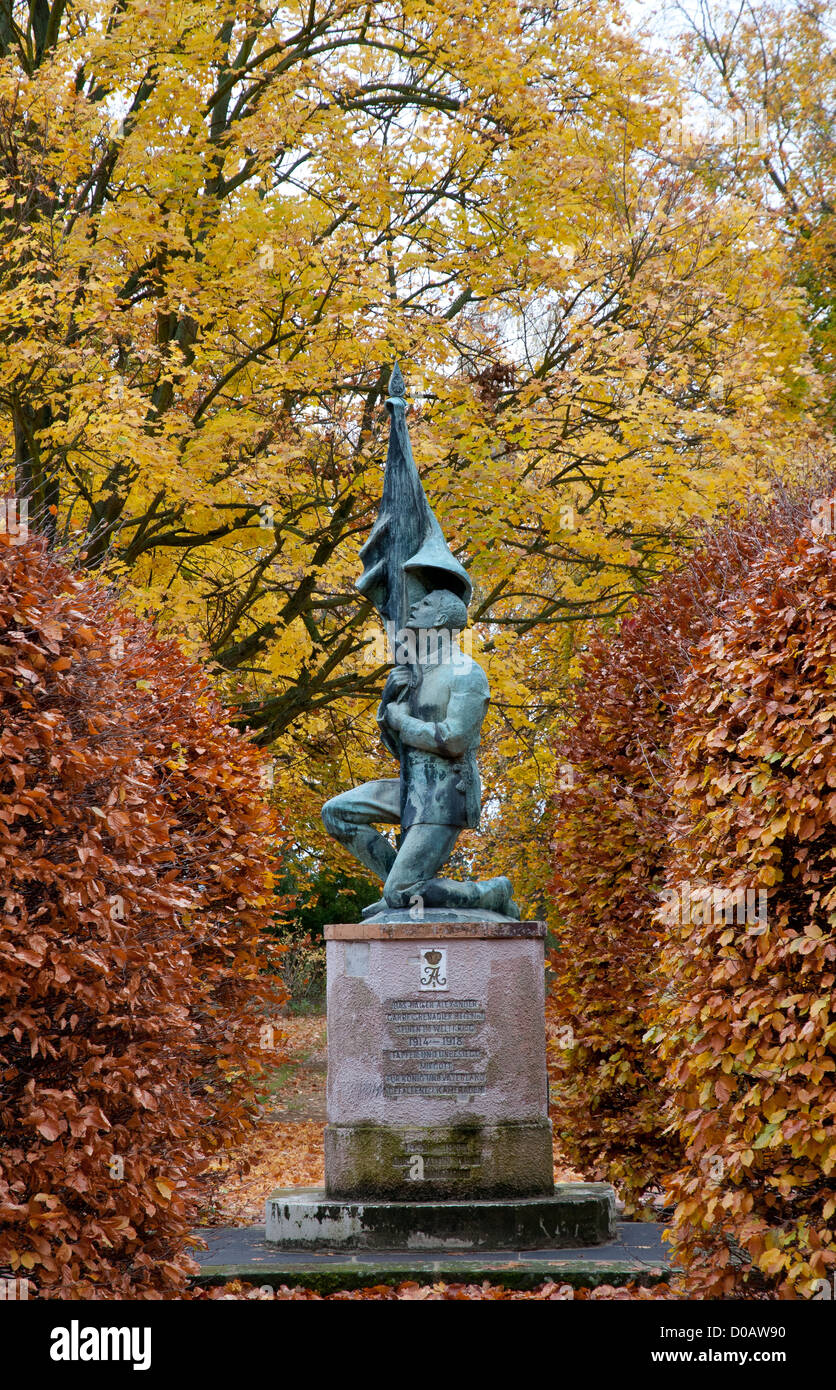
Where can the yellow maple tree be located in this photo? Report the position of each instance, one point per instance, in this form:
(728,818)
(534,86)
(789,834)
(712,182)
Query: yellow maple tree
(221,225)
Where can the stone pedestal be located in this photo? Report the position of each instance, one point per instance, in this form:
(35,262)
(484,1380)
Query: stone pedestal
(437,1085)
(438,1134)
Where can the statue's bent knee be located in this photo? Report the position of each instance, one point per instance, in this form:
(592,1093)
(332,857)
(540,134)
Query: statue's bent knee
(333,819)
(399,894)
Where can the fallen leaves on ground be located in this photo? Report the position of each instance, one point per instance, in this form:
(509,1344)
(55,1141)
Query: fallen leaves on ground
(281,1155)
(287,1152)
(410,1291)
(299,1089)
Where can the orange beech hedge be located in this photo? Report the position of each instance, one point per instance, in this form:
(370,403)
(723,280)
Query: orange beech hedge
(135,860)
(749,1012)
(612,816)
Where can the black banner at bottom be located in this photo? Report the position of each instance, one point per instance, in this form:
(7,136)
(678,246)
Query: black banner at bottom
(233,1338)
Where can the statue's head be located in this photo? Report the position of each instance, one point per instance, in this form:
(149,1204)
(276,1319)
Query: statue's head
(438,609)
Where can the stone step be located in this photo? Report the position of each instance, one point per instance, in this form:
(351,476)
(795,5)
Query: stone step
(637,1255)
(575,1214)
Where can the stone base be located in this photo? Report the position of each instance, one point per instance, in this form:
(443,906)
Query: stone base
(465,1160)
(405,916)
(577,1215)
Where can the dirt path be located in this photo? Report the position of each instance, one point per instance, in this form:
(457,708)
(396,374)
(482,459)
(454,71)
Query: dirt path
(286,1150)
(296,1092)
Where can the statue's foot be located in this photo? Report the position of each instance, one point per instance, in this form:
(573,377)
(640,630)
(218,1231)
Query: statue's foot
(497,895)
(488,895)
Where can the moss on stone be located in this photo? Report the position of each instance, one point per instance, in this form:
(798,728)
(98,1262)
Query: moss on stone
(502,1159)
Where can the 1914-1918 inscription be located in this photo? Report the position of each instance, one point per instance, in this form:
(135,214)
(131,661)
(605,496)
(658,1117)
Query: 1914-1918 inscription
(435,1053)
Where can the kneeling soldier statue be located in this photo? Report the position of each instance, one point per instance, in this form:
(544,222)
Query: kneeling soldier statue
(430,716)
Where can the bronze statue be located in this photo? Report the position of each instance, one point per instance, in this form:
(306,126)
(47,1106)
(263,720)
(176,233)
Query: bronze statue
(431,711)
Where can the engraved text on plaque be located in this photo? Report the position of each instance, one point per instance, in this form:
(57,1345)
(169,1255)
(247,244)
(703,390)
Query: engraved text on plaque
(435,1048)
